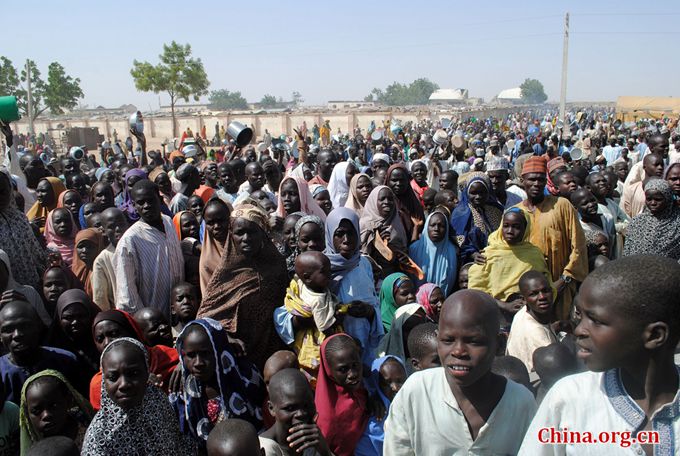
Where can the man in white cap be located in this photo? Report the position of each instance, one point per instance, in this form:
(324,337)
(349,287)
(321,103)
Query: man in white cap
(498,171)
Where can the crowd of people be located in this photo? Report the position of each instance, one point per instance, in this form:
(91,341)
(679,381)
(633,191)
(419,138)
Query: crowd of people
(437,287)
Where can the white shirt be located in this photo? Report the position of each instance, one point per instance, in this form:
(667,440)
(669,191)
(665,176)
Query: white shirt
(596,402)
(526,335)
(425,419)
(148,264)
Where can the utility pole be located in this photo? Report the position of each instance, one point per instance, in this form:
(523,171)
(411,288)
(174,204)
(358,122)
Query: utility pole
(30,98)
(565,59)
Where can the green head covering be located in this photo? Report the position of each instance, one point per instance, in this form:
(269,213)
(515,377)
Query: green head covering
(387,305)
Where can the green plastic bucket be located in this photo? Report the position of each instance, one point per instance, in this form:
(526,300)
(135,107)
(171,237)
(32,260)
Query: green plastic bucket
(9,111)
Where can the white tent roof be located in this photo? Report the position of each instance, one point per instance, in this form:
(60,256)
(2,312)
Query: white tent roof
(510,94)
(449,94)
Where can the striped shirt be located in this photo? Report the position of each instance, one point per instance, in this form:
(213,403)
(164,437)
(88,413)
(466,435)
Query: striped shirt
(148,264)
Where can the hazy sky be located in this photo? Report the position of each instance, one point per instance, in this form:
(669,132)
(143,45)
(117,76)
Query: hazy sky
(341,50)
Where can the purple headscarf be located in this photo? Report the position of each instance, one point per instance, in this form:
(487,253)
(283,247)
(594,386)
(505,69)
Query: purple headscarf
(127,206)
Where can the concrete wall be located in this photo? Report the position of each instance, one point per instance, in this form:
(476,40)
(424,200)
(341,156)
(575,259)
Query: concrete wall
(160,128)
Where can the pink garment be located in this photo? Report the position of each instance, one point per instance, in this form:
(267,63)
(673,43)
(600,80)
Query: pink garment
(423,298)
(307,203)
(64,245)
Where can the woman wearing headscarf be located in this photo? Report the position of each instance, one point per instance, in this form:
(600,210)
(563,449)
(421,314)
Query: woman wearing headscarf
(8,283)
(359,189)
(381,217)
(507,259)
(71,200)
(672,176)
(149,428)
(477,215)
(88,244)
(63,243)
(233,388)
(352,279)
(47,193)
(216,221)
(110,325)
(294,196)
(27,257)
(431,298)
(305,219)
(78,415)
(248,285)
(410,210)
(655,231)
(338,185)
(72,329)
(124,200)
(435,253)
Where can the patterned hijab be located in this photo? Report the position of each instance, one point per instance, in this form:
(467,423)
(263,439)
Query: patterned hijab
(465,217)
(240,384)
(149,428)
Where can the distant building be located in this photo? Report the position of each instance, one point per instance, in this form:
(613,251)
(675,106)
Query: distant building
(512,96)
(186,108)
(102,111)
(338,105)
(449,96)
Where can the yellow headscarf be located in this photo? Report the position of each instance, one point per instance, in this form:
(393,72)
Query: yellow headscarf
(506,263)
(38,210)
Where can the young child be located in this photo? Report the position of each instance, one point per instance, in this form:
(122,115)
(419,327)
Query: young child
(551,363)
(218,385)
(291,403)
(431,297)
(50,407)
(462,407)
(54,446)
(103,273)
(629,329)
(280,360)
(341,399)
(389,374)
(20,332)
(446,198)
(422,347)
(531,327)
(185,299)
(463,276)
(234,437)
(395,341)
(591,216)
(154,326)
(428,200)
(308,296)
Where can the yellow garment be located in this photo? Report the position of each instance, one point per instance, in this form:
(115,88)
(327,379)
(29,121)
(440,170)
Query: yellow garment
(505,264)
(308,341)
(558,233)
(38,210)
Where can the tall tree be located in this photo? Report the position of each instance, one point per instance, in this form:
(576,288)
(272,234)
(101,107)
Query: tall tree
(532,91)
(9,78)
(178,74)
(224,99)
(268,101)
(62,91)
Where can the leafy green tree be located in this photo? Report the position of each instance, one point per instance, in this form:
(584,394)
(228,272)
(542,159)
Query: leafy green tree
(178,74)
(224,99)
(268,101)
(62,91)
(396,94)
(9,78)
(532,91)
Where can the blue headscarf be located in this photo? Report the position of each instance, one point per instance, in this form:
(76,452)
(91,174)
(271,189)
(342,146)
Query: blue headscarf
(462,221)
(438,260)
(81,217)
(340,265)
(372,440)
(240,384)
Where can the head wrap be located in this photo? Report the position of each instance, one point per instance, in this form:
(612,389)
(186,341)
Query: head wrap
(423,298)
(340,265)
(388,307)
(80,269)
(252,214)
(307,203)
(128,205)
(371,220)
(534,165)
(353,197)
(337,184)
(381,156)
